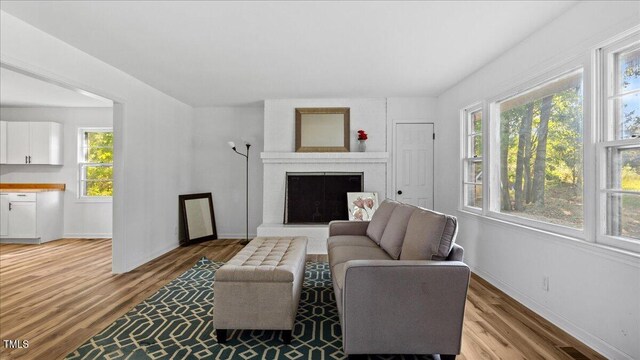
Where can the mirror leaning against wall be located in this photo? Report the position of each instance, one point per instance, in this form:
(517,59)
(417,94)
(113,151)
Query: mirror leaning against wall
(197,219)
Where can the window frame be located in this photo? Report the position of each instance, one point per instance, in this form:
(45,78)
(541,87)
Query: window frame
(607,136)
(492,168)
(466,155)
(81,163)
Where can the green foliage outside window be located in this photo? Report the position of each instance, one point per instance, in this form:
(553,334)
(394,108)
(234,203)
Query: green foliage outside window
(627,170)
(541,153)
(97,172)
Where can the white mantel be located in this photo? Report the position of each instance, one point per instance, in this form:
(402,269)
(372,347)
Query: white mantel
(346,157)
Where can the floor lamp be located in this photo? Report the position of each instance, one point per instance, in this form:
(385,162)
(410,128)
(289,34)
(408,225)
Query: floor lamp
(246,194)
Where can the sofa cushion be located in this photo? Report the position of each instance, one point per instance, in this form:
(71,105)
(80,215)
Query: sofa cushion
(380,219)
(349,240)
(429,236)
(393,235)
(338,275)
(342,254)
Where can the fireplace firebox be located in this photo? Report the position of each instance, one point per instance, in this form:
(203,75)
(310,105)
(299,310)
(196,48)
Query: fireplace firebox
(319,197)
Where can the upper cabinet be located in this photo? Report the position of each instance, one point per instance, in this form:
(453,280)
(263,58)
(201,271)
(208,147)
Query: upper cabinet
(33,143)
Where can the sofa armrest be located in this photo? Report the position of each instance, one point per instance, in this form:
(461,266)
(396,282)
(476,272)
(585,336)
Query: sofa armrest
(344,227)
(456,254)
(421,302)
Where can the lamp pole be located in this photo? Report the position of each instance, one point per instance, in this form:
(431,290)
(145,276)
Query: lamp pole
(246,194)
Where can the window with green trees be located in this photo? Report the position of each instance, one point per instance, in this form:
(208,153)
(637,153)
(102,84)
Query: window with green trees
(541,136)
(96,162)
(621,191)
(472,159)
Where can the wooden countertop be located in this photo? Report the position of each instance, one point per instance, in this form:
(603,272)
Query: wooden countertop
(15,187)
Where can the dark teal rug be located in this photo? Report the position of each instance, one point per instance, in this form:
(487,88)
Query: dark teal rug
(176,323)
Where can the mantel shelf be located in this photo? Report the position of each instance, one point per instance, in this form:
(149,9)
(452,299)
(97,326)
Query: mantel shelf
(318,157)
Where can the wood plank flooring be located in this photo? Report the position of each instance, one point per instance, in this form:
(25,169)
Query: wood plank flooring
(59,294)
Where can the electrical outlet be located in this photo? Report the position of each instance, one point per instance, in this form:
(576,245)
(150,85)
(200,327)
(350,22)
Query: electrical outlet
(545,283)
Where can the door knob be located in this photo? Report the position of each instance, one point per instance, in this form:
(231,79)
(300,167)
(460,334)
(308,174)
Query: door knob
(399,192)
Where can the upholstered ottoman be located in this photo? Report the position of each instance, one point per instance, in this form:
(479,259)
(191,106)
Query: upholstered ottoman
(259,288)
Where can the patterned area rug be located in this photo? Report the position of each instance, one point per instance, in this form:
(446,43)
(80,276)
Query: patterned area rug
(176,323)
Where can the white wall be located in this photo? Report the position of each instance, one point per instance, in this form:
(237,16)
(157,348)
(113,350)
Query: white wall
(217,169)
(594,292)
(411,108)
(81,218)
(152,139)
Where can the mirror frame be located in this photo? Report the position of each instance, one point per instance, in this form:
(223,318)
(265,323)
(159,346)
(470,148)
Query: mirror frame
(184,224)
(333,110)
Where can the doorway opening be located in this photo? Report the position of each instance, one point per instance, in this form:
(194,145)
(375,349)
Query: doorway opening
(67,136)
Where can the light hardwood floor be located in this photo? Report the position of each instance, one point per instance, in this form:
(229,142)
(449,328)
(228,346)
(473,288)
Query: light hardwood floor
(59,294)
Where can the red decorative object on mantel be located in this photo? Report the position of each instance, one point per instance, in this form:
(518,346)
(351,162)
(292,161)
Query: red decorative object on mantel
(362,140)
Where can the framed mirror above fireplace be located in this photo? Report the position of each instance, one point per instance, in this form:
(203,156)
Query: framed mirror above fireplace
(322,129)
(319,197)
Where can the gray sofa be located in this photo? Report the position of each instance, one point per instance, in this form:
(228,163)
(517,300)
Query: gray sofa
(399,281)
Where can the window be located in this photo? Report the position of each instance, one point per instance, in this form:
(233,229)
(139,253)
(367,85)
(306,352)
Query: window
(620,143)
(472,158)
(540,175)
(95,162)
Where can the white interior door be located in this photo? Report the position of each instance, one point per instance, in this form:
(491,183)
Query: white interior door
(17,142)
(413,158)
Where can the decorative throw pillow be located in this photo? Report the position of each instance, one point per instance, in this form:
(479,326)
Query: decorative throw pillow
(394,232)
(430,236)
(380,219)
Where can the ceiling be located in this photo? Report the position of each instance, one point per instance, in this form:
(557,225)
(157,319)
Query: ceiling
(229,53)
(19,90)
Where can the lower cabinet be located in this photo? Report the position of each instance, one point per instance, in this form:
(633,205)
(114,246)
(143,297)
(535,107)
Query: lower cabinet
(22,219)
(4,214)
(31,217)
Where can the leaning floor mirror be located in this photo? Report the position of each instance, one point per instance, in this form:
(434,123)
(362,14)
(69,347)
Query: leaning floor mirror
(197,219)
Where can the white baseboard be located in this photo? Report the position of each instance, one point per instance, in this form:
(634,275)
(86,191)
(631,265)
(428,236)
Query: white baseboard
(155,254)
(89,235)
(235,236)
(19,241)
(161,252)
(594,342)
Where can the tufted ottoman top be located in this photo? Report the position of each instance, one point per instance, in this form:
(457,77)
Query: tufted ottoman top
(266,259)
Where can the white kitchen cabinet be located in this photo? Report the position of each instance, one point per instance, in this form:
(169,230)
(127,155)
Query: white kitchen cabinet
(34,143)
(17,142)
(3,142)
(22,219)
(4,214)
(31,217)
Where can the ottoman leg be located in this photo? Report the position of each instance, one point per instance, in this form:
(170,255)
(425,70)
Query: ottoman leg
(286,336)
(221,335)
